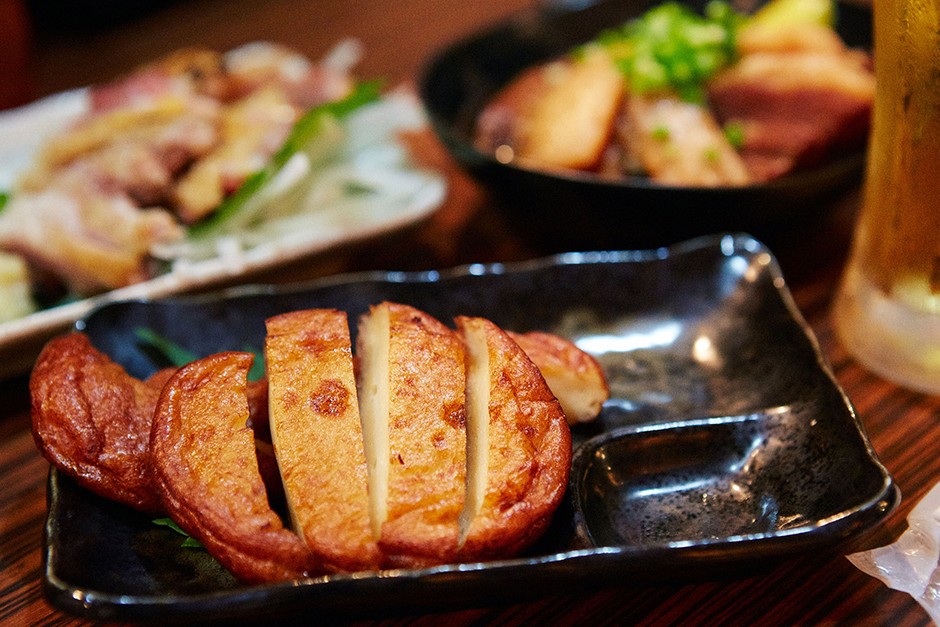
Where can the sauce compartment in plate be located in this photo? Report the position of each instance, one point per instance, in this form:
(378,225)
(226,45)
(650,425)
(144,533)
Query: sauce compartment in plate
(716,479)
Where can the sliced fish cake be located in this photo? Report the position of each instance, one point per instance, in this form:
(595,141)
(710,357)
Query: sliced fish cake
(206,471)
(425,427)
(317,436)
(518,446)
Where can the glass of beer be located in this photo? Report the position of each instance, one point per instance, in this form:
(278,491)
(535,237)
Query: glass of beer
(887,309)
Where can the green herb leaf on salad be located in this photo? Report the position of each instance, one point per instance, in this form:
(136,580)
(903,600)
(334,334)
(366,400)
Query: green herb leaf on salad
(313,125)
(734,133)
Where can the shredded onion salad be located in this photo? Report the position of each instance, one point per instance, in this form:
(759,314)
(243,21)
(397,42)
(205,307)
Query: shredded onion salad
(342,167)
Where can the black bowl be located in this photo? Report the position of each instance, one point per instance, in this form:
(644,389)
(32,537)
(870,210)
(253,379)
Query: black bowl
(580,210)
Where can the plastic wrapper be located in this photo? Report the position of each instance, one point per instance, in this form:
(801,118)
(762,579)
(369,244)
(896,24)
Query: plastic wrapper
(912,563)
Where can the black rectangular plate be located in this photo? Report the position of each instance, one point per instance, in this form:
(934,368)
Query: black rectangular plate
(716,382)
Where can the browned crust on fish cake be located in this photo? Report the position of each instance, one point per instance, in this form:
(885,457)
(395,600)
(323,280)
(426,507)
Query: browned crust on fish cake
(573,375)
(529,451)
(318,438)
(92,420)
(207,475)
(427,439)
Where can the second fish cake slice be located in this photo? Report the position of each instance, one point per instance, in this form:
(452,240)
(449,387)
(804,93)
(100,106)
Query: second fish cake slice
(315,429)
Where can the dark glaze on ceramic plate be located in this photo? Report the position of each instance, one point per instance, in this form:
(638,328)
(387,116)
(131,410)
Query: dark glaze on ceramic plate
(726,444)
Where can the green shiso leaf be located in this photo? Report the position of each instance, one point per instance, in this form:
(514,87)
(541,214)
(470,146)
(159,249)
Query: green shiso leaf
(173,352)
(179,356)
(189,542)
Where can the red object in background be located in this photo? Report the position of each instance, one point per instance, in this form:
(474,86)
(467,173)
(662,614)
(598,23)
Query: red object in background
(15,83)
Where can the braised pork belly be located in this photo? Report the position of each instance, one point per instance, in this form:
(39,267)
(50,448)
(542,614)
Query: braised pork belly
(799,96)
(687,100)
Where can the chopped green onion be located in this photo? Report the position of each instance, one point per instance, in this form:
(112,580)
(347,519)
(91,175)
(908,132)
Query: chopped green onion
(4,197)
(670,47)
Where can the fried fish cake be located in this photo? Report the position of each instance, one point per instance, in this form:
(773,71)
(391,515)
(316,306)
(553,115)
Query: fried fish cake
(444,447)
(317,436)
(206,472)
(572,375)
(423,450)
(518,446)
(92,420)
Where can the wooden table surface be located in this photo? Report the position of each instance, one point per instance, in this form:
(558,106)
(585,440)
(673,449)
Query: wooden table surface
(811,589)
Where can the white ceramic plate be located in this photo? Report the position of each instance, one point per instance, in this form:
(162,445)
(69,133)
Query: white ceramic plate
(24,130)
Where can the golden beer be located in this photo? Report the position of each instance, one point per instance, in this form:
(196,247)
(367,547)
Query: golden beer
(887,312)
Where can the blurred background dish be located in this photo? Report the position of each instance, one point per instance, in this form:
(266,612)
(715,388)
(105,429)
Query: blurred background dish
(580,210)
(399,195)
